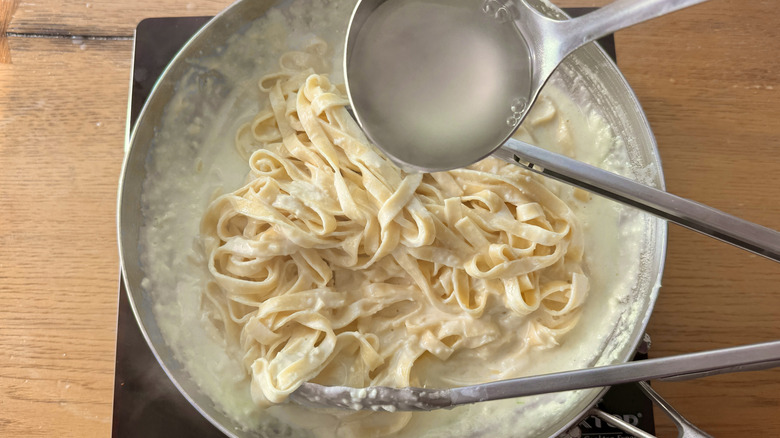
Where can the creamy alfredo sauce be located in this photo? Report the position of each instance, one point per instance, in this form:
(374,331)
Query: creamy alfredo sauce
(193,158)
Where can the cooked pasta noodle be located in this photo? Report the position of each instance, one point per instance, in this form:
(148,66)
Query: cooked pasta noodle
(332,265)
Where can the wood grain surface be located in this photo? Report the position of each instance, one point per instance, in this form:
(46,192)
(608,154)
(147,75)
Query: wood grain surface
(708,78)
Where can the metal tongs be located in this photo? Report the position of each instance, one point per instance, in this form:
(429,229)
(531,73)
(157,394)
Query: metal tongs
(689,214)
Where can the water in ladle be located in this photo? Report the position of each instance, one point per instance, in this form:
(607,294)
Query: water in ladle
(430,81)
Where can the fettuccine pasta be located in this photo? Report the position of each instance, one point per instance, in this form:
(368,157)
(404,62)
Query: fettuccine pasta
(331,265)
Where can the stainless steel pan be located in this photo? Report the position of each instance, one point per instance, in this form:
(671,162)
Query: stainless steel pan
(589,70)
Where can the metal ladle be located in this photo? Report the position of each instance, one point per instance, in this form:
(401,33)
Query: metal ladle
(440,84)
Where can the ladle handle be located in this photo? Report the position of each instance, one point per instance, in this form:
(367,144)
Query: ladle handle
(698,217)
(615,16)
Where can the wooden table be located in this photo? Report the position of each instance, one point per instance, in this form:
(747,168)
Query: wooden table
(708,78)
